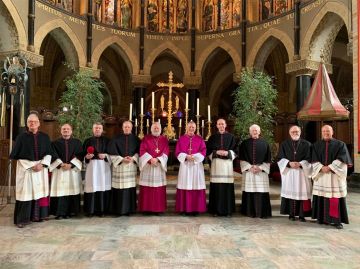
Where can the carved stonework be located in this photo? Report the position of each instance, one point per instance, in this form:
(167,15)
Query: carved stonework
(95,72)
(141,80)
(236,77)
(33,59)
(305,67)
(192,82)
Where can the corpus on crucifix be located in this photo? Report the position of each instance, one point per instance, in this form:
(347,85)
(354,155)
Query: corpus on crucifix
(170,133)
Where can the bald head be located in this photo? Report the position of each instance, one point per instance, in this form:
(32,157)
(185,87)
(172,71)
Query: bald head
(327,132)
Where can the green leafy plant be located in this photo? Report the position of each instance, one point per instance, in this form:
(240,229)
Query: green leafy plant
(81,102)
(255,103)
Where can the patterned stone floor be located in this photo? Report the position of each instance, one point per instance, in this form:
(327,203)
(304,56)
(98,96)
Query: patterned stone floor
(172,241)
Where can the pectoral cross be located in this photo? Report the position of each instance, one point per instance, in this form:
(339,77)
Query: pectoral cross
(157,150)
(170,134)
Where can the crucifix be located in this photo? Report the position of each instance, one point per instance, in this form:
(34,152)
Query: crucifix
(170,134)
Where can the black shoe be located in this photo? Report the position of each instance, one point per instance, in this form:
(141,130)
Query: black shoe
(339,226)
(66,217)
(229,215)
(302,219)
(292,218)
(20,225)
(58,217)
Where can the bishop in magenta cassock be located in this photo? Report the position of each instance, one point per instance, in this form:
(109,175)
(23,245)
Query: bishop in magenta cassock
(191,189)
(154,151)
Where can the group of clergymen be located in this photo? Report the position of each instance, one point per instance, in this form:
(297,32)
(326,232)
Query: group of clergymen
(111,171)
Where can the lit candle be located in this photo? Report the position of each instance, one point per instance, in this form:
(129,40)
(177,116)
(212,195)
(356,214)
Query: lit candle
(159,121)
(142,106)
(180,123)
(135,122)
(209,117)
(202,123)
(147,122)
(153,100)
(197,106)
(187,101)
(130,113)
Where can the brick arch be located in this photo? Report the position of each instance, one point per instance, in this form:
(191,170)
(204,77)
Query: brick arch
(174,49)
(308,41)
(218,44)
(67,39)
(20,27)
(271,35)
(125,52)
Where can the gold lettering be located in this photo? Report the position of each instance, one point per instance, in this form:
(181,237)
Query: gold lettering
(49,10)
(122,33)
(77,21)
(98,27)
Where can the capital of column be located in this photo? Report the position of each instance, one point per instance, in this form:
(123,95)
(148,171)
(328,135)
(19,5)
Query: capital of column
(141,80)
(192,82)
(95,72)
(237,77)
(305,67)
(33,59)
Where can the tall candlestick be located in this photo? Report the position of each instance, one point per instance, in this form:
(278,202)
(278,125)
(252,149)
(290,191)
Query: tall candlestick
(209,117)
(147,123)
(130,113)
(153,100)
(136,123)
(180,123)
(187,101)
(197,106)
(202,123)
(142,106)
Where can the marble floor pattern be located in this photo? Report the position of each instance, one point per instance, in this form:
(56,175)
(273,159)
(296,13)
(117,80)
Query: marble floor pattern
(172,241)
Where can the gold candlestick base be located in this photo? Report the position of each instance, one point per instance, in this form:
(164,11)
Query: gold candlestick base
(209,131)
(198,124)
(153,114)
(141,133)
(186,116)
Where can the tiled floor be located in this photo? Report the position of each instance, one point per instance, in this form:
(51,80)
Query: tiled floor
(172,241)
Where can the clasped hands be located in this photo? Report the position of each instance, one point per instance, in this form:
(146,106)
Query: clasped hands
(101,156)
(295,165)
(38,167)
(127,159)
(255,169)
(325,169)
(221,152)
(190,158)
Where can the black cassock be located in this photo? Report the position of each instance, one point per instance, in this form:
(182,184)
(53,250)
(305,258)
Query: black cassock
(31,147)
(66,150)
(255,152)
(96,202)
(295,151)
(123,201)
(326,152)
(221,195)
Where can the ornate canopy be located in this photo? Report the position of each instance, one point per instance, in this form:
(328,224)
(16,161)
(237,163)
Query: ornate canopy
(322,102)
